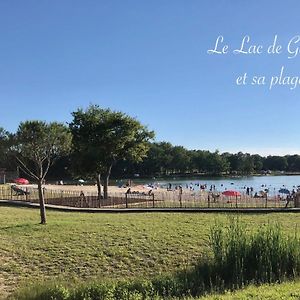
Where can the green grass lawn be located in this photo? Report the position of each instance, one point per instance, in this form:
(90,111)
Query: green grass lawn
(284,291)
(84,246)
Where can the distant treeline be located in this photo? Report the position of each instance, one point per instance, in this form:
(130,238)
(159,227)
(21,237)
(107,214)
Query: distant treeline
(165,159)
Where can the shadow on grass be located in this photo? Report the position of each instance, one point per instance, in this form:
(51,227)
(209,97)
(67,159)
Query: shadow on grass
(19,226)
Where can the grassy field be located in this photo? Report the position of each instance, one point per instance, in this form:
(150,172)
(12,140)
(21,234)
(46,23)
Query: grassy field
(84,246)
(284,291)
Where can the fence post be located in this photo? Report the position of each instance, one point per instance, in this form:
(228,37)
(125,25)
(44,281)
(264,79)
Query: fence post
(236,201)
(26,195)
(297,200)
(208,201)
(61,197)
(126,200)
(266,200)
(180,197)
(153,202)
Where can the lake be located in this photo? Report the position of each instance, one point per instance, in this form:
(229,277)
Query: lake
(273,183)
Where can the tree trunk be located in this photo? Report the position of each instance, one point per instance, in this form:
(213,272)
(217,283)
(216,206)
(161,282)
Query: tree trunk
(99,186)
(42,202)
(105,186)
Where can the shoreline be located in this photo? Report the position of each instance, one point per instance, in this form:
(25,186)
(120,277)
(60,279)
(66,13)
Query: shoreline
(197,175)
(147,179)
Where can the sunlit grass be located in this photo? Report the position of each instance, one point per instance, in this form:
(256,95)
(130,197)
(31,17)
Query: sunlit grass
(283,291)
(91,246)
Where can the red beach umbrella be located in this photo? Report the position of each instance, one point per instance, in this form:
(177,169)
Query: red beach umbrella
(231,193)
(21,181)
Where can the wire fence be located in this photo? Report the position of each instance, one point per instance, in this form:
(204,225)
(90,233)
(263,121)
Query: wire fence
(156,199)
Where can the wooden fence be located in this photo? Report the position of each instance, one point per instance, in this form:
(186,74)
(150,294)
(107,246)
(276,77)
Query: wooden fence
(162,199)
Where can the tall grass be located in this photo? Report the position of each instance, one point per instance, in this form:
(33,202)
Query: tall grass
(237,257)
(266,255)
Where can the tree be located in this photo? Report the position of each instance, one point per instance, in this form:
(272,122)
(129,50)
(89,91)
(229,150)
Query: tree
(180,159)
(247,164)
(200,160)
(258,162)
(38,146)
(4,143)
(276,163)
(102,137)
(217,164)
(7,159)
(155,161)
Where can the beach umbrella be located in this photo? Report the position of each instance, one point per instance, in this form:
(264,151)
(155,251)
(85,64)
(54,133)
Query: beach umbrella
(284,191)
(21,181)
(231,193)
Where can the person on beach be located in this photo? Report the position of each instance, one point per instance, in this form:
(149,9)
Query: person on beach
(251,191)
(180,190)
(289,198)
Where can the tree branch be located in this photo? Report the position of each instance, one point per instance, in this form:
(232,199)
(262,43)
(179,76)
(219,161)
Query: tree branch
(26,169)
(47,168)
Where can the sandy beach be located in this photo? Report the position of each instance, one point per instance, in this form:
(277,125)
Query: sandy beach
(113,190)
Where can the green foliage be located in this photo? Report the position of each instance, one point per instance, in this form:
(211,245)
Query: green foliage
(217,164)
(165,159)
(102,137)
(282,291)
(39,144)
(4,137)
(97,131)
(276,163)
(267,255)
(6,141)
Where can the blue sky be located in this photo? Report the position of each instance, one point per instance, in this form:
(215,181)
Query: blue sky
(149,59)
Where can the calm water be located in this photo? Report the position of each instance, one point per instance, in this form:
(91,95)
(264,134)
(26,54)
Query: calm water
(273,183)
